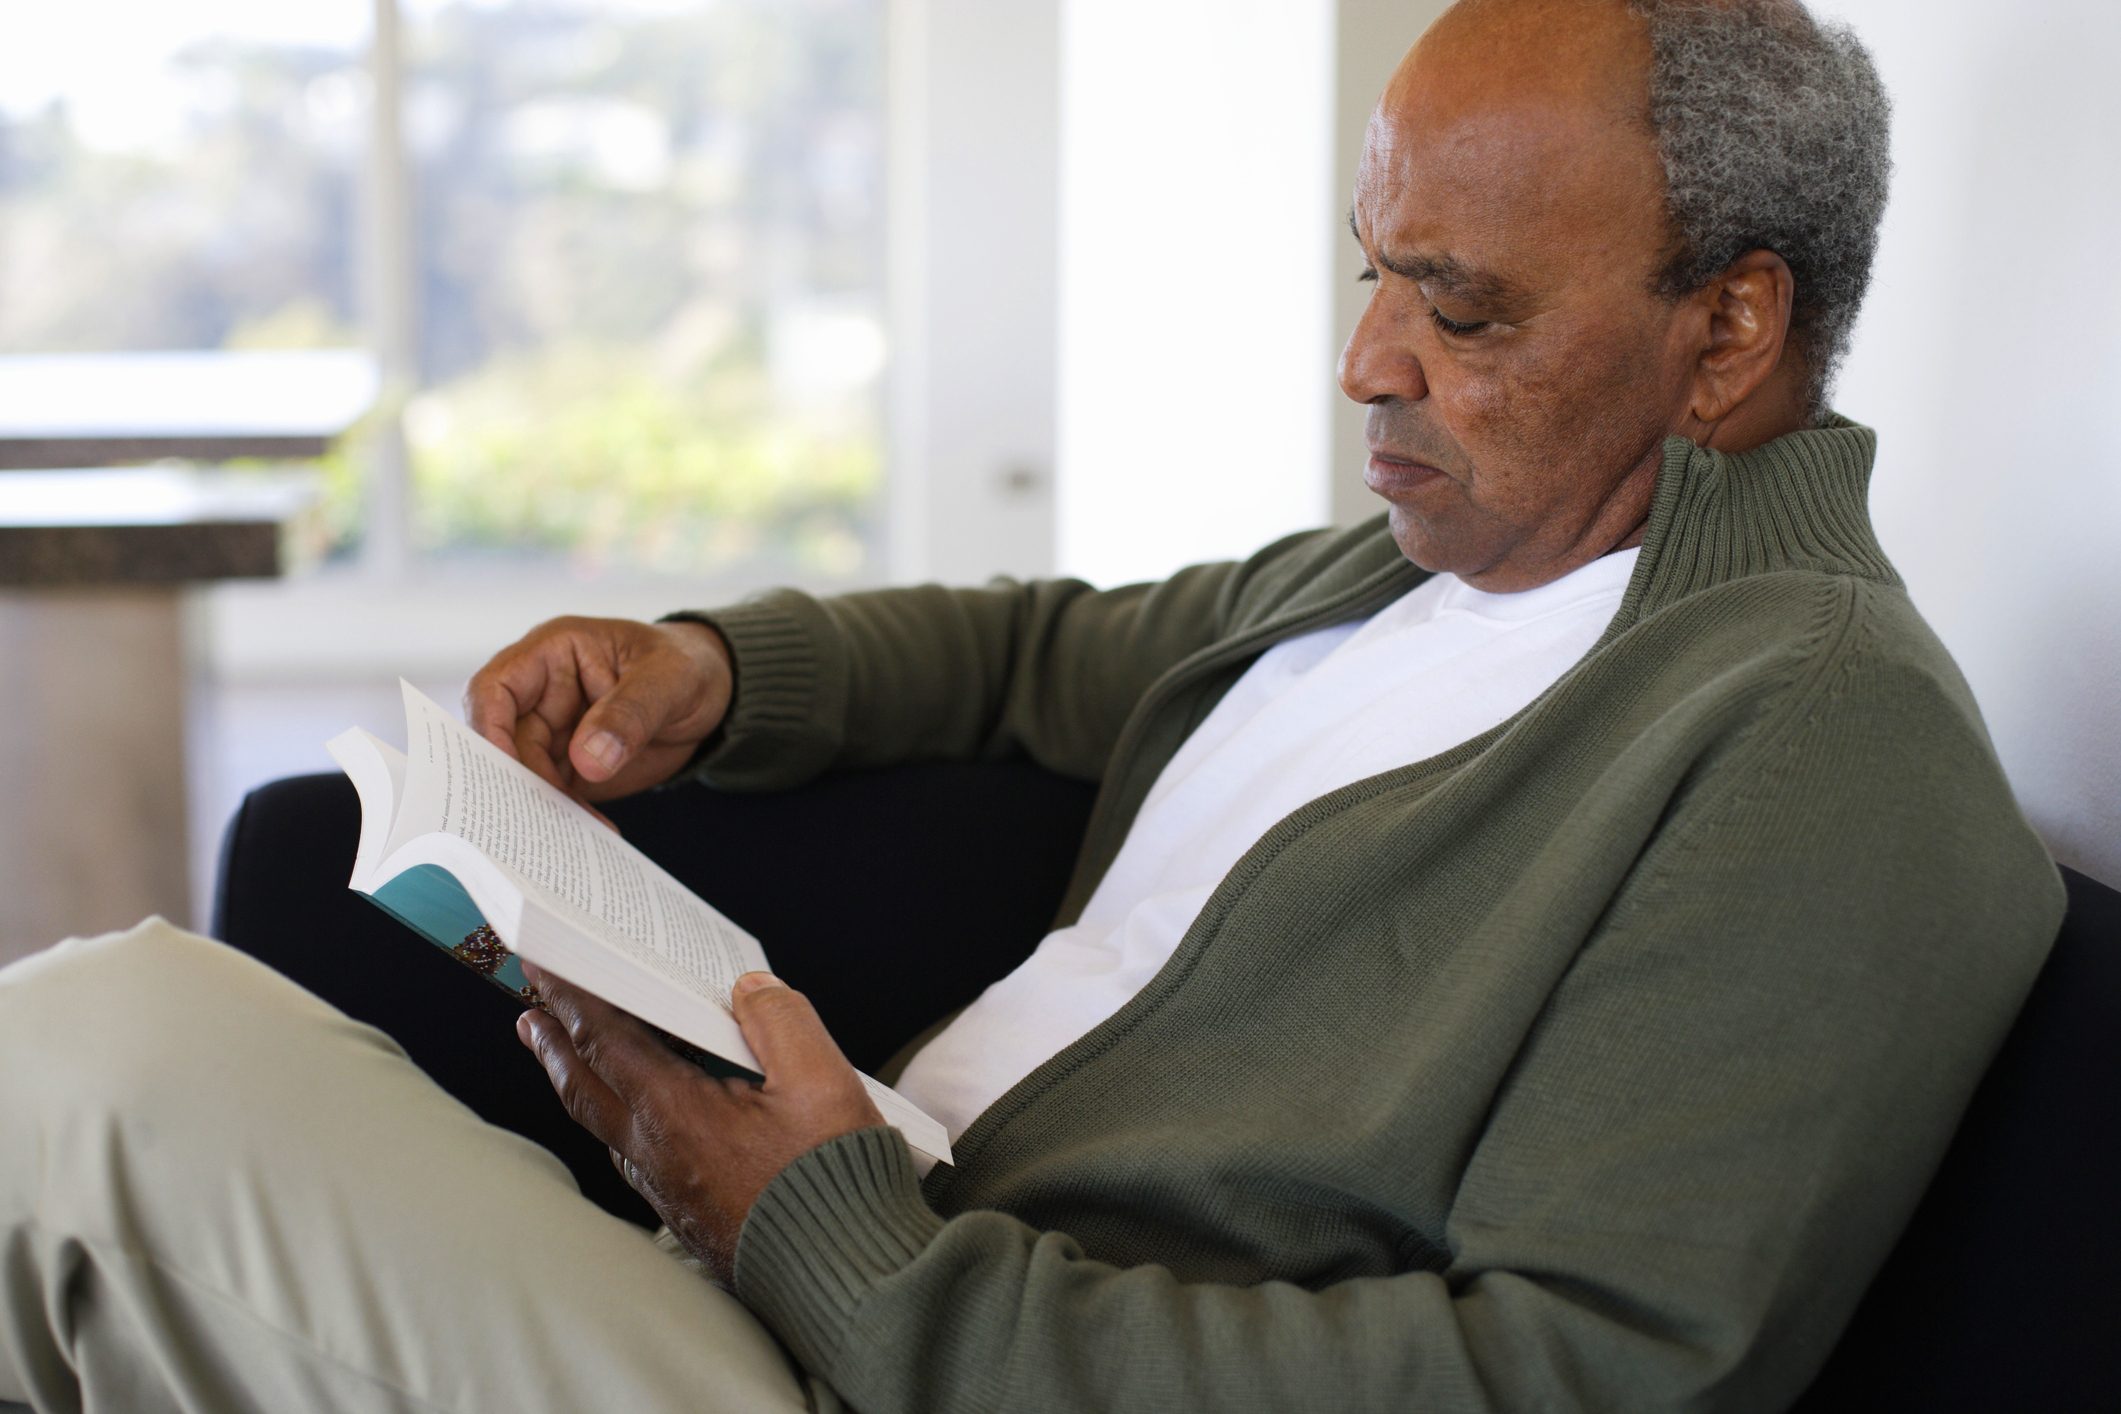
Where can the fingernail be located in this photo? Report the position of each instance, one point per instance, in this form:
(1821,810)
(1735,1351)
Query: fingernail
(605,749)
(524,1033)
(756,982)
(532,973)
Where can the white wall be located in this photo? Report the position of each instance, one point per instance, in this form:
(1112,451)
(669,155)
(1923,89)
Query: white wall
(1196,322)
(974,193)
(1989,360)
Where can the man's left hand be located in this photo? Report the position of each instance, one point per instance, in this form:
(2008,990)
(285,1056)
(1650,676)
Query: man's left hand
(699,1149)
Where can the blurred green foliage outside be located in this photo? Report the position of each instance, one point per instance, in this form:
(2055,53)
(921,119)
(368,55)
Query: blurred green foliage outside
(589,451)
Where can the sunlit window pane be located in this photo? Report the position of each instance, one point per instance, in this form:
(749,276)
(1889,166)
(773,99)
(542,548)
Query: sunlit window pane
(651,255)
(179,176)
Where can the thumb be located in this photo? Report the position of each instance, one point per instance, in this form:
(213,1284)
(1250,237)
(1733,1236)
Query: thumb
(620,723)
(784,1032)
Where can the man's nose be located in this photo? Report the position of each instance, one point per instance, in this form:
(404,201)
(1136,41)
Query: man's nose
(1379,361)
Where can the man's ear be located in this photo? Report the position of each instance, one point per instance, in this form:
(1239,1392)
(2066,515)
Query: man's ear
(1748,309)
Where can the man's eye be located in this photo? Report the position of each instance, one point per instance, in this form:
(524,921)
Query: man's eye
(1452,326)
(1369,274)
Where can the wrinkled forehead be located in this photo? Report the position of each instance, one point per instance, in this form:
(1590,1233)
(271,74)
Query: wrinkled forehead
(1519,127)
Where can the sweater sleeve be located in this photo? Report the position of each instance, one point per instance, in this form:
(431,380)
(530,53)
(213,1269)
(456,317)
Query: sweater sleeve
(1704,1149)
(1050,669)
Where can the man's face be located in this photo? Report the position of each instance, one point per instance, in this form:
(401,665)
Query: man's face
(1519,372)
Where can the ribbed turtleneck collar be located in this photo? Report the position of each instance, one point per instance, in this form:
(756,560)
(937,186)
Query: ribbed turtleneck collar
(1798,502)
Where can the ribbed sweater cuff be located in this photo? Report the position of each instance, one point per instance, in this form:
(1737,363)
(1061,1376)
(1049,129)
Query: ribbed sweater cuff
(835,1222)
(782,726)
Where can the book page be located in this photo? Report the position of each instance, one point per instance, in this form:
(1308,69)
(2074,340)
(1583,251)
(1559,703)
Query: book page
(470,788)
(377,771)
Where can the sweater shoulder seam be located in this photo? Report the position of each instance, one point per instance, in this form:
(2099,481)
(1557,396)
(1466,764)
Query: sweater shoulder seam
(1825,664)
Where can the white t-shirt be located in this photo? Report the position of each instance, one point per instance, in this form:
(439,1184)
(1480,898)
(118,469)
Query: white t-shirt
(1437,667)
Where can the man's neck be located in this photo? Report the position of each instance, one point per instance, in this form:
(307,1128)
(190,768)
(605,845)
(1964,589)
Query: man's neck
(1777,408)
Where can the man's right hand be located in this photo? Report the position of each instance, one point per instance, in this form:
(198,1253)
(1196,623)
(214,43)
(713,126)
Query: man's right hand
(603,707)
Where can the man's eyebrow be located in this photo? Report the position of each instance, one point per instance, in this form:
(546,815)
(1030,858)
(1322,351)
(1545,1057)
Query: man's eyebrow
(1467,282)
(1454,276)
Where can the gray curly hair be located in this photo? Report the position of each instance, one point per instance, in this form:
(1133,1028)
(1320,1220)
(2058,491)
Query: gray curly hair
(1772,130)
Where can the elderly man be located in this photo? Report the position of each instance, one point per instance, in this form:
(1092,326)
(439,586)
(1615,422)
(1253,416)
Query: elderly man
(1527,955)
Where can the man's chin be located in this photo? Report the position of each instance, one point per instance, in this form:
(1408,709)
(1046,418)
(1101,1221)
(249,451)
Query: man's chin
(1419,542)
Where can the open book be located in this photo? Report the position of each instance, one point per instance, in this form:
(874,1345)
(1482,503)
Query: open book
(470,849)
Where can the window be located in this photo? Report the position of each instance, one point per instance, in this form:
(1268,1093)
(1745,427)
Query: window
(646,252)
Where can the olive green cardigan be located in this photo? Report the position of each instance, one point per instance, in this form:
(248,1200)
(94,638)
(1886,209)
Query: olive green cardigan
(1593,1064)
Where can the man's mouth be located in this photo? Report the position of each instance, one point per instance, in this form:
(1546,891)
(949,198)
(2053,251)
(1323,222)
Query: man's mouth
(1392,477)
